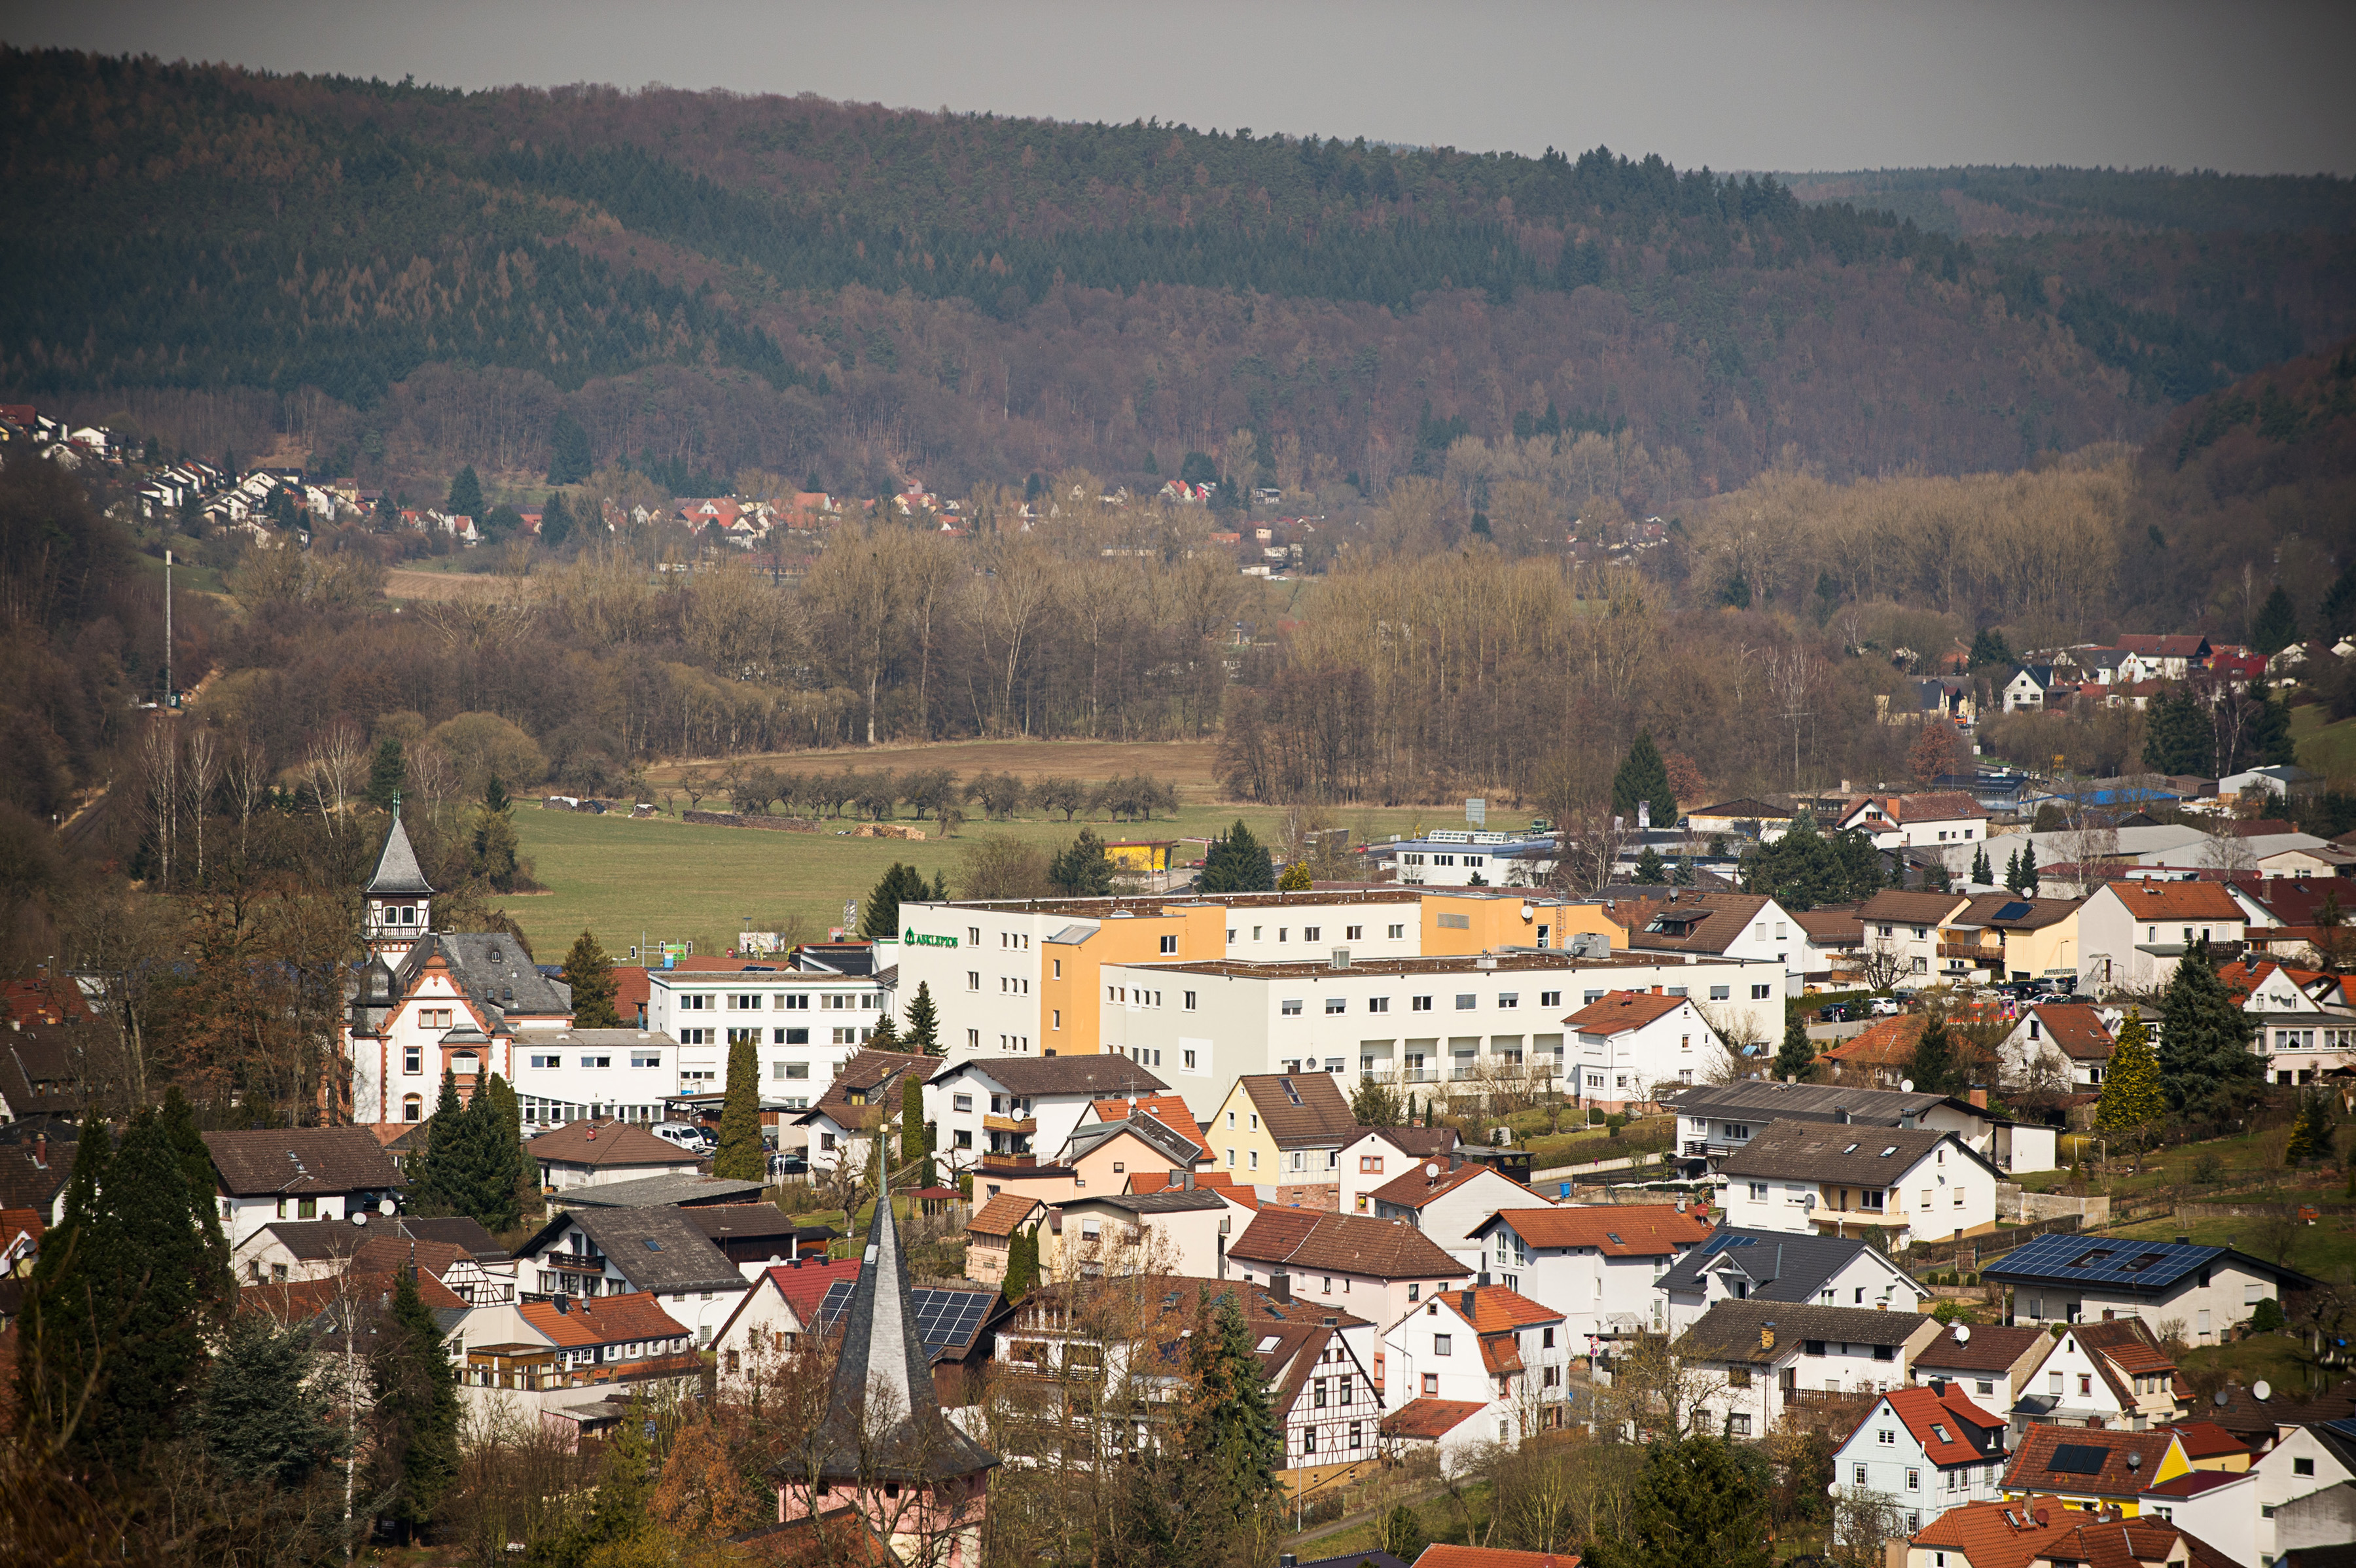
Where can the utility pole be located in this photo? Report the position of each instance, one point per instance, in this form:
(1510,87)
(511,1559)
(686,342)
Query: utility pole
(168,701)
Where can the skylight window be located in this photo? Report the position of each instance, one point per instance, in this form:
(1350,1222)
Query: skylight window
(1269,1342)
(1850,1150)
(2087,1260)
(1940,1433)
(1615,1237)
(1889,1150)
(652,1245)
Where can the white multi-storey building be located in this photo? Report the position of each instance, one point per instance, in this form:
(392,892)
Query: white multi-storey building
(805,1025)
(1431,1025)
(1927,1450)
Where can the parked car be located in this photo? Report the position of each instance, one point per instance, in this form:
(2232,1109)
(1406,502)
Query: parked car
(1837,1012)
(1885,1008)
(789,1165)
(687,1135)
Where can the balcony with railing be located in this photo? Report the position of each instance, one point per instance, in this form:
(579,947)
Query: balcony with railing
(574,1262)
(1977,954)
(997,1160)
(1021,1126)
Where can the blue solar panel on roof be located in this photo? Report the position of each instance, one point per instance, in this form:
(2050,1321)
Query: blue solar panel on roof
(2077,1459)
(2012,912)
(2073,1258)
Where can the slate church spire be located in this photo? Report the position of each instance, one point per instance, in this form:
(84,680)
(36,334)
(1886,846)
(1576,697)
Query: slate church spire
(400,910)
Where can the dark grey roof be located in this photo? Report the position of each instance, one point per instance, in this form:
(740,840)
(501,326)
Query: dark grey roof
(495,969)
(883,1420)
(680,1258)
(310,1240)
(1767,1101)
(1180,1151)
(1170,1201)
(672,1189)
(2124,1265)
(397,871)
(1782,1265)
(1829,1152)
(1735,1330)
(1100,1075)
(455,1231)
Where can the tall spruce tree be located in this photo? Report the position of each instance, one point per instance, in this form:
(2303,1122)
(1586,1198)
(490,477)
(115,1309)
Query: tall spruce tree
(2277,625)
(2028,889)
(740,1156)
(388,771)
(914,1146)
(1081,869)
(62,1336)
(589,972)
(2132,1095)
(490,1145)
(1796,1060)
(569,461)
(1642,775)
(2178,735)
(879,920)
(416,1414)
(442,1184)
(1934,1069)
(1983,875)
(1696,1502)
(465,498)
(2204,1036)
(1651,869)
(216,1286)
(555,520)
(924,1032)
(262,1417)
(1227,1435)
(1238,862)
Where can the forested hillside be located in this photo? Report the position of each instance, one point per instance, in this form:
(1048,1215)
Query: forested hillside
(709,281)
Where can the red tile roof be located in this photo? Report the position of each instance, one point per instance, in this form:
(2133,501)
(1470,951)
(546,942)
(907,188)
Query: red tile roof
(2077,1029)
(603,1320)
(1430,1418)
(1220,1182)
(1442,1555)
(2032,1462)
(806,1286)
(1927,1414)
(2147,900)
(1631,1230)
(1308,1243)
(1497,1309)
(604,1144)
(1412,1188)
(1621,1011)
(1001,1215)
(1886,1042)
(2207,1440)
(299,1301)
(1170,1110)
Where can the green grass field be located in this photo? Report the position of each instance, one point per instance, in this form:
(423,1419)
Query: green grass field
(664,880)
(2325,748)
(2324,1249)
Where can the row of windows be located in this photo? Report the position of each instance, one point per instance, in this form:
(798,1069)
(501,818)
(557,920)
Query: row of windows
(1471,860)
(1308,934)
(782,1002)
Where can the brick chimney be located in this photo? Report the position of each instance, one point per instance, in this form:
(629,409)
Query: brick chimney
(1979,1099)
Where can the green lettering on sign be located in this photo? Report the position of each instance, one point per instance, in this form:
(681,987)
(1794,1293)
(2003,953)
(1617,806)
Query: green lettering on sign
(912,938)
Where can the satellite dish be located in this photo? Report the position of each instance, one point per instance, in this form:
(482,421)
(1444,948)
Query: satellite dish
(1432,1173)
(1832,1489)
(1528,911)
(2259,1388)
(1906,1087)
(2220,1398)
(359,1217)
(1962,1333)
(385,1207)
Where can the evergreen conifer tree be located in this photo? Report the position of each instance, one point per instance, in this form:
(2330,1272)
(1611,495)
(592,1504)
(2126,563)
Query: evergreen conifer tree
(1081,869)
(2028,889)
(1374,1105)
(508,1166)
(2310,1134)
(1797,1058)
(879,920)
(1981,874)
(495,797)
(740,1156)
(1651,870)
(1642,775)
(1295,878)
(2276,626)
(589,975)
(416,1414)
(884,1035)
(2266,741)
(1934,1069)
(2132,1098)
(914,1146)
(555,520)
(569,461)
(1237,863)
(62,1332)
(1696,1502)
(1022,1263)
(440,1185)
(262,1418)
(2338,615)
(1989,648)
(466,499)
(1935,879)
(388,769)
(2204,1036)
(2178,737)
(486,1159)
(1226,1437)
(924,1033)
(2012,871)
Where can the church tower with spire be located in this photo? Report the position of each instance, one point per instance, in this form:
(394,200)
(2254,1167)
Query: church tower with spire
(400,901)
(886,1462)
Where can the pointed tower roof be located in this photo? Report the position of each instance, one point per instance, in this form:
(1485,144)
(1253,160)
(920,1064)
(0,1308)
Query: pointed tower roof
(883,1420)
(397,871)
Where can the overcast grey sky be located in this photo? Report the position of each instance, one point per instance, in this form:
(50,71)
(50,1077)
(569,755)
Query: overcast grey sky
(2251,87)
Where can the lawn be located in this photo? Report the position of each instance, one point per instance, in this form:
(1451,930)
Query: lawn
(2325,748)
(663,880)
(2239,1160)
(2324,1249)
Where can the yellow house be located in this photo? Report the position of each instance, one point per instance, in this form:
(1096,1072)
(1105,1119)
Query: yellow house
(2003,936)
(1141,855)
(2088,1467)
(1284,1131)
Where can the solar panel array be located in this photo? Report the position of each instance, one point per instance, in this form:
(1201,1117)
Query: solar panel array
(947,1320)
(2013,911)
(2079,1258)
(1719,1243)
(2077,1459)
